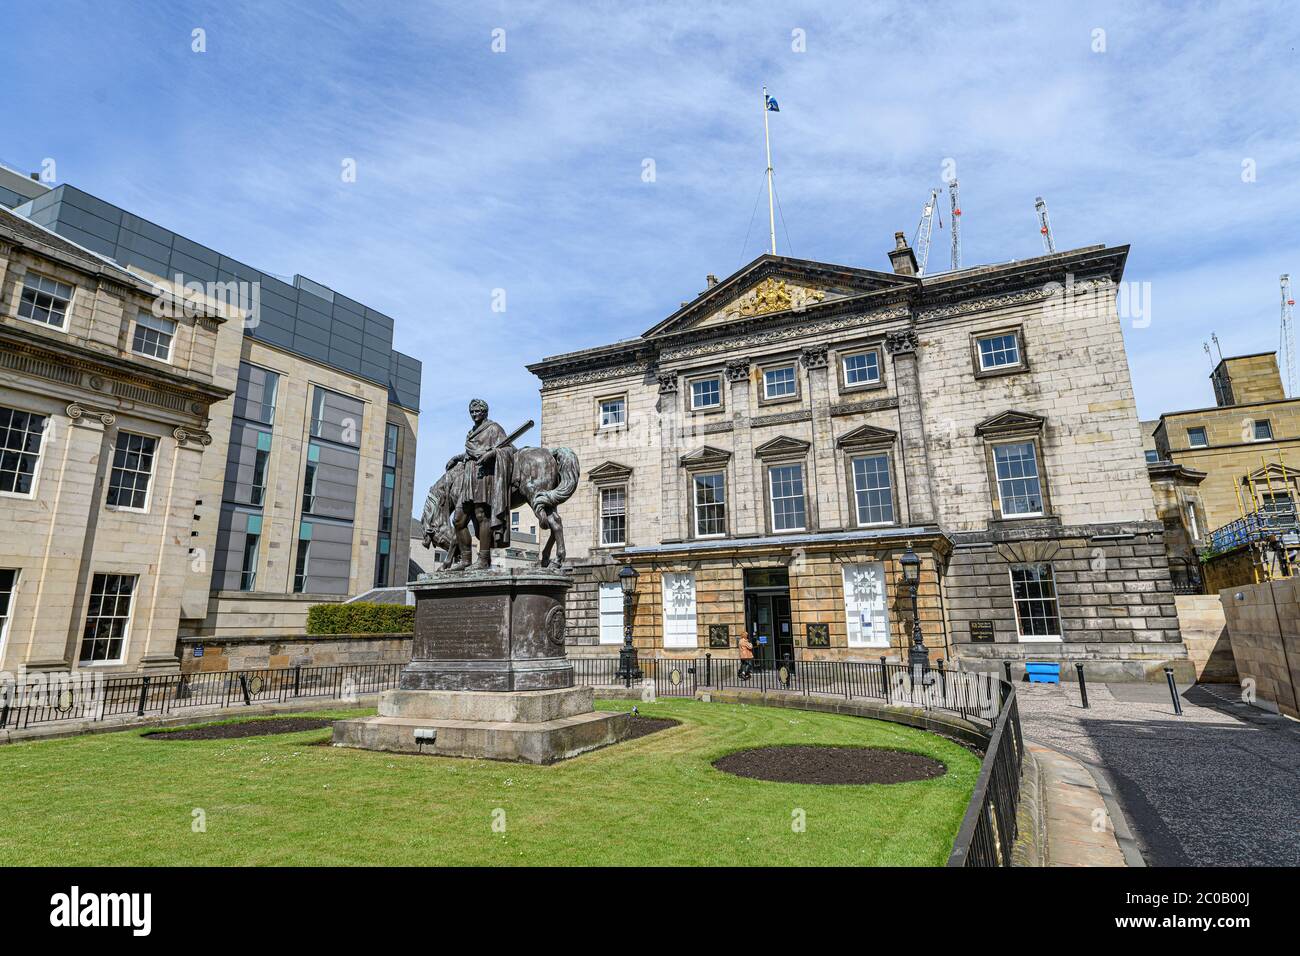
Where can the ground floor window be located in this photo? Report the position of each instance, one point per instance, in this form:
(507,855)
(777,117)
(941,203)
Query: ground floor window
(8,583)
(865,614)
(679,610)
(107,618)
(611,613)
(1033,587)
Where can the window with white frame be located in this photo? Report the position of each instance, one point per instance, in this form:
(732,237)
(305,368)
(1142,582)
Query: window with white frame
(613,412)
(153,336)
(1019,490)
(128,485)
(861,368)
(785,485)
(611,613)
(20,450)
(1263,429)
(679,610)
(872,491)
(998,351)
(779,382)
(706,393)
(108,618)
(1033,588)
(1193,526)
(710,505)
(613,515)
(1196,437)
(45,300)
(866,616)
(8,584)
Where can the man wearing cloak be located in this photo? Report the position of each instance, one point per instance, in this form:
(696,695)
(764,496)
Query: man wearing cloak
(482,488)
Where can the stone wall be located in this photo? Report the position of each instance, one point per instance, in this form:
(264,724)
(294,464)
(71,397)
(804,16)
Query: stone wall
(1205,633)
(301,650)
(1264,624)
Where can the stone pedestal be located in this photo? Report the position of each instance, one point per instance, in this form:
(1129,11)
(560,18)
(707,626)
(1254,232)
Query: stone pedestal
(488,676)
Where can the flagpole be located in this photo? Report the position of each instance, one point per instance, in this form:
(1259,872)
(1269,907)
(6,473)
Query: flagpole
(767,139)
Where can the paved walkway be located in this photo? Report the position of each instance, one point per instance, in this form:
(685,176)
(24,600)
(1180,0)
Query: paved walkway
(1219,785)
(1079,826)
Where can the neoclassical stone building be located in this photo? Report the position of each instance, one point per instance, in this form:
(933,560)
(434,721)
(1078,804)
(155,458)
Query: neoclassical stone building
(764,456)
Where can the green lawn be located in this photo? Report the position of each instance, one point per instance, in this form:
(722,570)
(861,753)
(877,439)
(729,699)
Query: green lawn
(122,799)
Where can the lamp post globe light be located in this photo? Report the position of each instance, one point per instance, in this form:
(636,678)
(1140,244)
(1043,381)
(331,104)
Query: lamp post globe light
(628,669)
(917,657)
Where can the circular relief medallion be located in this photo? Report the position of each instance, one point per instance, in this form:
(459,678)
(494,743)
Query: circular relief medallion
(784,674)
(555,626)
(255,685)
(64,702)
(675,676)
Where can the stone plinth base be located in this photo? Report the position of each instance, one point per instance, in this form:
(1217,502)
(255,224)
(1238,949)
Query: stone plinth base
(528,726)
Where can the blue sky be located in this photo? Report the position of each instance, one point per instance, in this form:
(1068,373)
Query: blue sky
(522,170)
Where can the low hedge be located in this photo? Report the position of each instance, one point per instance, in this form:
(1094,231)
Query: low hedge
(360,617)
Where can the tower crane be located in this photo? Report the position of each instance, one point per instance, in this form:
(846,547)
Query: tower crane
(1044,226)
(923,230)
(1286,345)
(955,225)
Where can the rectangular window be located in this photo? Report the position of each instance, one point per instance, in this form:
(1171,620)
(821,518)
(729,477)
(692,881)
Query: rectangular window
(20,450)
(710,505)
(1263,429)
(8,584)
(998,351)
(255,393)
(862,368)
(872,492)
(257,491)
(1033,587)
(391,434)
(706,393)
(386,504)
(153,336)
(779,382)
(248,572)
(613,411)
(1193,526)
(1018,488)
(613,515)
(1279,507)
(679,610)
(1196,438)
(382,562)
(45,300)
(611,613)
(865,614)
(309,479)
(128,485)
(1152,456)
(107,618)
(300,561)
(786,488)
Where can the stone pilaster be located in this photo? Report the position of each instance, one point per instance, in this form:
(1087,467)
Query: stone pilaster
(826,483)
(670,438)
(917,486)
(745,517)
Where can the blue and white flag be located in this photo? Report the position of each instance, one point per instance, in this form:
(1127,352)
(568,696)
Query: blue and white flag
(771,103)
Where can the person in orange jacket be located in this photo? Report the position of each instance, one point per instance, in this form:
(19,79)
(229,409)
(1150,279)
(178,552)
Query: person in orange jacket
(746,657)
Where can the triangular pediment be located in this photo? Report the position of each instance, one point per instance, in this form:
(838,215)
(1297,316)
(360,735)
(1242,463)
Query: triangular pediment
(781,445)
(705,455)
(865,435)
(776,285)
(609,471)
(1010,421)
(1273,471)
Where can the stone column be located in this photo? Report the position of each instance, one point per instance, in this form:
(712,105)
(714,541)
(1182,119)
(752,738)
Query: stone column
(911,428)
(746,518)
(670,478)
(826,483)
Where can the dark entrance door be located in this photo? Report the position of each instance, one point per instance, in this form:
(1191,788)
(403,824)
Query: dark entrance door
(767,616)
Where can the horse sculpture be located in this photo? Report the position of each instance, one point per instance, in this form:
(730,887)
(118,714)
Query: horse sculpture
(542,478)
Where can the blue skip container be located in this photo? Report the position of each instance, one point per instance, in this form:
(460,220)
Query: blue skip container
(1041,672)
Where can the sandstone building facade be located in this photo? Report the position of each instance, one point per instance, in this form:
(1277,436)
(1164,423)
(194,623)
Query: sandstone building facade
(766,454)
(301,493)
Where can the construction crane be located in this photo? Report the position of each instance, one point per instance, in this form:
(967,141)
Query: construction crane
(1044,226)
(1286,343)
(923,229)
(955,220)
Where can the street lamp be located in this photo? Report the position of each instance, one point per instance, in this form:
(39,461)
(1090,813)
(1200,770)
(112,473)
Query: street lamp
(628,669)
(917,657)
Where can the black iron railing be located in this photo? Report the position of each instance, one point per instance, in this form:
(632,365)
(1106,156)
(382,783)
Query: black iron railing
(988,831)
(82,695)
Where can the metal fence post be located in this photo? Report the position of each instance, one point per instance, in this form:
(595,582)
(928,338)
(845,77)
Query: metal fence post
(297,679)
(243,686)
(1083,685)
(144,696)
(1173,691)
(708,670)
(4,710)
(884,679)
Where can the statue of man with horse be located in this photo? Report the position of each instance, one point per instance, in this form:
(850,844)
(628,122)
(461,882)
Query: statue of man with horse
(482,485)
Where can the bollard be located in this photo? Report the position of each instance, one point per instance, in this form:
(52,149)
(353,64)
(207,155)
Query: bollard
(1083,685)
(1006,666)
(1173,691)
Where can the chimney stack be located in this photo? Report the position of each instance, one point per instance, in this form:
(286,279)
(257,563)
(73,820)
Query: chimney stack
(711,279)
(902,257)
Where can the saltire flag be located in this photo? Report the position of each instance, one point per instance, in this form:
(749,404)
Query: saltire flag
(771,103)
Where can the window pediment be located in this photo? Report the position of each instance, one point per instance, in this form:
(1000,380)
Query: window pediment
(609,471)
(866,436)
(782,445)
(705,455)
(1010,422)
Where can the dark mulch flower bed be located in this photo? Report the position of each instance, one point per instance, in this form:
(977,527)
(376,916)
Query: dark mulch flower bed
(250,728)
(644,726)
(806,763)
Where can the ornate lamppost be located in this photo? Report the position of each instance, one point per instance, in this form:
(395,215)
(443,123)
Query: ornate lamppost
(918,657)
(628,669)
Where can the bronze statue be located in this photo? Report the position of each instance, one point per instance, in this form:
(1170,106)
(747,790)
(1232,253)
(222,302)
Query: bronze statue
(486,482)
